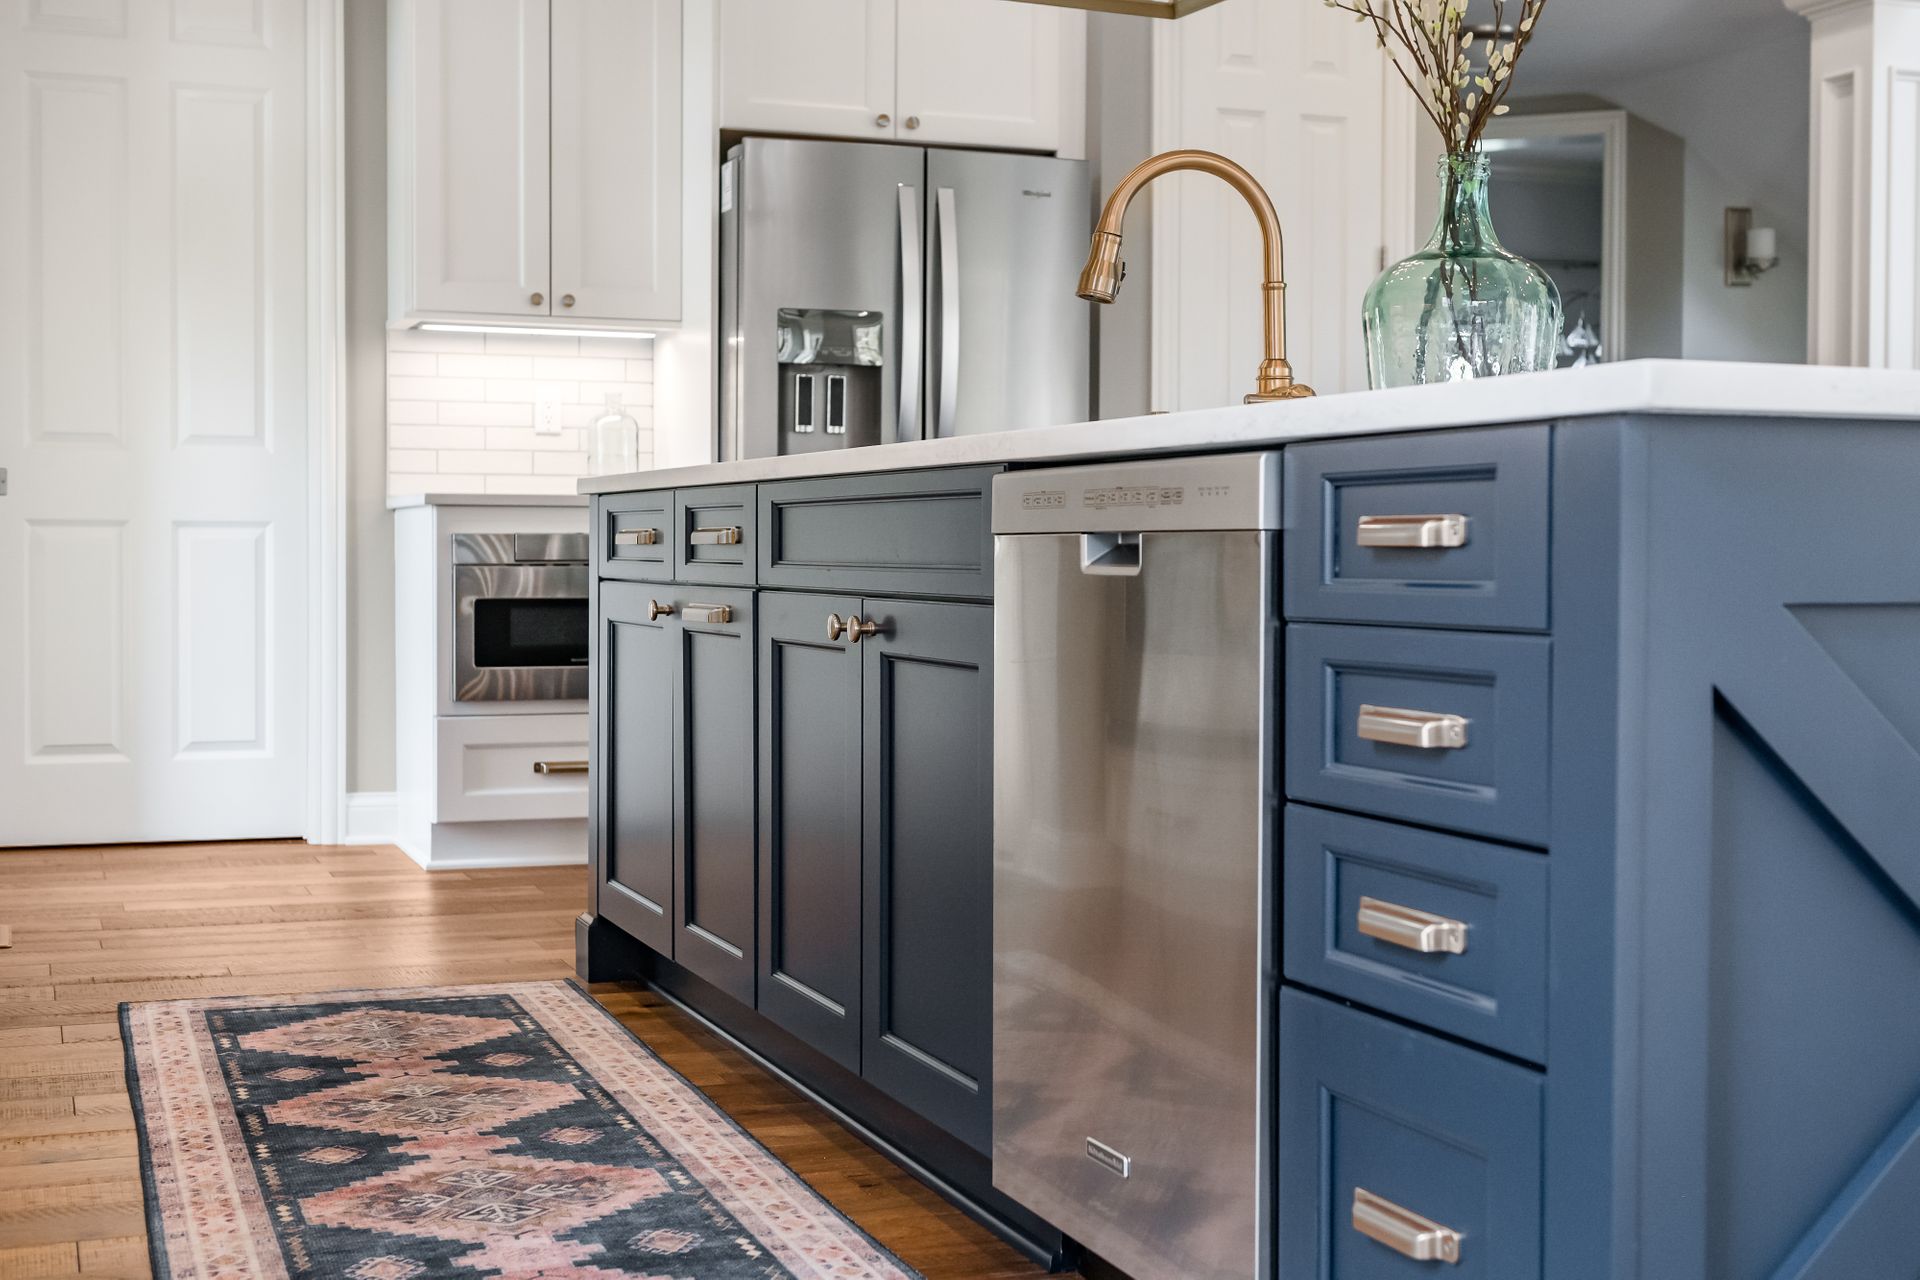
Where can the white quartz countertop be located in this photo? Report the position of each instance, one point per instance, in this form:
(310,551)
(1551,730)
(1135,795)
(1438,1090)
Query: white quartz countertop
(1690,387)
(396,501)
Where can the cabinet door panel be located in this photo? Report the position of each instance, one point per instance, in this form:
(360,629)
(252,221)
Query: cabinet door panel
(928,763)
(810,823)
(480,138)
(636,675)
(808,66)
(985,73)
(616,159)
(713,782)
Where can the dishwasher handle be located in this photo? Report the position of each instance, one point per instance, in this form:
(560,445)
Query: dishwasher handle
(1112,555)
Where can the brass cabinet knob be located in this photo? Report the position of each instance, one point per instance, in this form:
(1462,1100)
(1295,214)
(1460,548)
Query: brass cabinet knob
(882,120)
(566,299)
(657,611)
(858,630)
(913,122)
(538,299)
(835,627)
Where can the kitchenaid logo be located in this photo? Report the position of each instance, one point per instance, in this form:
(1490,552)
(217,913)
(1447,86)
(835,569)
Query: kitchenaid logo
(1134,495)
(1037,195)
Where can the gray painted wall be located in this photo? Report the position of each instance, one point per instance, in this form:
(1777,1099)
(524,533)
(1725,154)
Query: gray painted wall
(369,525)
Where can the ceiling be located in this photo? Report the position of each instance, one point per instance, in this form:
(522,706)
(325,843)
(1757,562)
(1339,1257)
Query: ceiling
(1581,45)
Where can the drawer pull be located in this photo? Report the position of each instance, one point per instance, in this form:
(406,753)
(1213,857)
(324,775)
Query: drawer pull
(1413,531)
(1403,1230)
(1413,929)
(707,613)
(657,611)
(718,536)
(546,767)
(1397,726)
(635,537)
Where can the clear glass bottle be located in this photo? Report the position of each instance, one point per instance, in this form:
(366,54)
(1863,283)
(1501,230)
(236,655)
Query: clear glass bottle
(613,440)
(1462,307)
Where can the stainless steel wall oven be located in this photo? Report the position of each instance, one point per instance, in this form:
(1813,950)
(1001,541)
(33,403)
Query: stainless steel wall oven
(520,617)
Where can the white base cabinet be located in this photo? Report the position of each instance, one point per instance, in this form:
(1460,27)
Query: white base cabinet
(534,162)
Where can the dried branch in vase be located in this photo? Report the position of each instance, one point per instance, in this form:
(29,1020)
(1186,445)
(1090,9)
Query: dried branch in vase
(1434,51)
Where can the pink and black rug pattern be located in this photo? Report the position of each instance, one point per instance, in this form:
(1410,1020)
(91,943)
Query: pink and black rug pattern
(510,1130)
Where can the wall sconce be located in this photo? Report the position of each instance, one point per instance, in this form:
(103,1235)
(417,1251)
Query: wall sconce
(1750,250)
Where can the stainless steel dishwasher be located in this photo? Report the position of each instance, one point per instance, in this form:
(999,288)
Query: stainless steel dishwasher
(1135,804)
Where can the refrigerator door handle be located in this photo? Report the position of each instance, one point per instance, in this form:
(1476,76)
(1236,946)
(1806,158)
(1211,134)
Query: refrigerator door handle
(912,309)
(947,228)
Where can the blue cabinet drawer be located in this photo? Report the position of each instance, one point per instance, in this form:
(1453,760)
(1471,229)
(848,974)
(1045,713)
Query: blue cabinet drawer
(633,536)
(1441,930)
(1444,728)
(1394,1143)
(714,535)
(1444,530)
(922,533)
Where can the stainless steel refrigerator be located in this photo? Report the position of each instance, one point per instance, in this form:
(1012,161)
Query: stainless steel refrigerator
(872,293)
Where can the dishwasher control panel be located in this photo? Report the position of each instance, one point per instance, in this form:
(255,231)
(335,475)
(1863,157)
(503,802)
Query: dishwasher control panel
(1224,491)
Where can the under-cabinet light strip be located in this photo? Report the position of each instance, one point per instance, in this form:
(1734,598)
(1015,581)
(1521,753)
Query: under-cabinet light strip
(531,330)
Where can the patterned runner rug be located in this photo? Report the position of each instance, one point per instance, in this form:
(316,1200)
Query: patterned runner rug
(511,1129)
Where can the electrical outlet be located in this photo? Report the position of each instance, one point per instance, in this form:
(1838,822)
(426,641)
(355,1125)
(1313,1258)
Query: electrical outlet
(546,413)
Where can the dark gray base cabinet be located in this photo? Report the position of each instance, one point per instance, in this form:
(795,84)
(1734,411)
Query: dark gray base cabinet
(876,832)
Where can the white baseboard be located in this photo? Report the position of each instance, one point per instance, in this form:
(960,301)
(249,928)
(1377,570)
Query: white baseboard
(371,817)
(466,846)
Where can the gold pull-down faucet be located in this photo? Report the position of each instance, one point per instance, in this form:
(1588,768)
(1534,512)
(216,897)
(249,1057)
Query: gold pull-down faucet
(1100,280)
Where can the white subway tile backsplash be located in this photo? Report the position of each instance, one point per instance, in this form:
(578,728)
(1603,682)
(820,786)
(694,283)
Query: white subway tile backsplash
(560,464)
(530,484)
(460,408)
(487,415)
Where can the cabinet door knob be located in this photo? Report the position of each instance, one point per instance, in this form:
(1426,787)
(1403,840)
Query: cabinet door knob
(566,299)
(858,630)
(1402,1230)
(913,122)
(657,611)
(538,299)
(882,120)
(835,627)
(1399,727)
(1409,927)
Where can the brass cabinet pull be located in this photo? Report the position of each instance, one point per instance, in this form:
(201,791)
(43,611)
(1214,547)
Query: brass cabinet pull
(707,613)
(538,299)
(1413,531)
(913,122)
(1402,1230)
(1397,726)
(657,611)
(717,536)
(882,120)
(546,767)
(1411,928)
(835,627)
(566,299)
(635,537)
(858,630)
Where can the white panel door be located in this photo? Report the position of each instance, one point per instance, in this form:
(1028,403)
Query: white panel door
(808,66)
(986,73)
(153,358)
(1293,91)
(616,159)
(480,140)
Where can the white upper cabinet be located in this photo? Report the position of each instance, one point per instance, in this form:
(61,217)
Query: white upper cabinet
(989,73)
(808,66)
(616,159)
(985,73)
(533,158)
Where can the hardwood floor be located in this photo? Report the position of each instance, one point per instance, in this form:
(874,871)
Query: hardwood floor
(95,926)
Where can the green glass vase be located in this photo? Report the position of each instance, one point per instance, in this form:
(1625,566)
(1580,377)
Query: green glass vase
(1462,307)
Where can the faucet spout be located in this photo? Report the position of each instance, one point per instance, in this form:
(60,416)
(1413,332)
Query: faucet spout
(1101,277)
